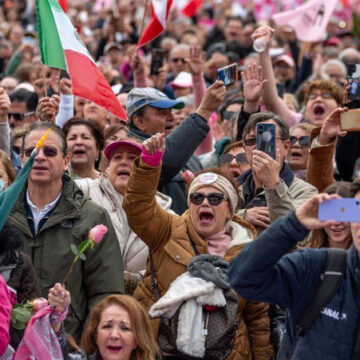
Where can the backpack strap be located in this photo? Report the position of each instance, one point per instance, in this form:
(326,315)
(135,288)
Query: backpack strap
(330,281)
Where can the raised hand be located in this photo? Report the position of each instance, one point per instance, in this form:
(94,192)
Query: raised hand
(137,64)
(214,96)
(65,86)
(253,86)
(196,61)
(307,213)
(59,298)
(47,108)
(331,127)
(267,169)
(263,31)
(154,144)
(4,105)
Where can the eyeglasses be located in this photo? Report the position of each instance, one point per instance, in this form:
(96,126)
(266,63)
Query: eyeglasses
(313,96)
(20,116)
(252,141)
(48,151)
(303,140)
(176,60)
(214,199)
(16,149)
(228,158)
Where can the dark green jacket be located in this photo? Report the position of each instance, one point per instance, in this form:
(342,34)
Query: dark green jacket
(101,274)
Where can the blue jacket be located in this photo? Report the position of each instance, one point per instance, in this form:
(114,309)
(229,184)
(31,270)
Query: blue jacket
(263,272)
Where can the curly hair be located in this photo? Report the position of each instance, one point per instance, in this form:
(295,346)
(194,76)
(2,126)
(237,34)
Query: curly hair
(324,85)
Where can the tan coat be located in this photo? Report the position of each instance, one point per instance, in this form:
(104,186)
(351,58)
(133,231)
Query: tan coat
(167,236)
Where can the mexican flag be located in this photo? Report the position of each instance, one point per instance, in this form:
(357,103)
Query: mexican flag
(62,48)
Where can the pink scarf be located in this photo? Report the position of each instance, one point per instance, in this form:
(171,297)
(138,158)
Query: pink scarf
(39,341)
(218,243)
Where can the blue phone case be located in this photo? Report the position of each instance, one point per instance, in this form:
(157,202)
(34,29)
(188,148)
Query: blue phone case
(343,210)
(266,139)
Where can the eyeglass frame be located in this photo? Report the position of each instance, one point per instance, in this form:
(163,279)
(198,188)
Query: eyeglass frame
(299,139)
(223,198)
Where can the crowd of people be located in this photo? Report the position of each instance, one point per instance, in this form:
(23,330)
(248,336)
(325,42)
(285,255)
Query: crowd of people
(214,249)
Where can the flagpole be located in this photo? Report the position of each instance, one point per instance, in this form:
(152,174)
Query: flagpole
(44,79)
(144,17)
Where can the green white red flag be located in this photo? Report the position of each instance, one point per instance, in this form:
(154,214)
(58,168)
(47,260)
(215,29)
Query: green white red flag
(62,48)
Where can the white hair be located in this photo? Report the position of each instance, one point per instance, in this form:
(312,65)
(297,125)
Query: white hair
(181,46)
(349,52)
(330,62)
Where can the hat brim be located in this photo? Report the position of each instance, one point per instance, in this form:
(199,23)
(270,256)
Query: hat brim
(110,150)
(167,104)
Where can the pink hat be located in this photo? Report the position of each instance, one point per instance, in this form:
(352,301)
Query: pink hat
(286,59)
(111,148)
(183,80)
(333,41)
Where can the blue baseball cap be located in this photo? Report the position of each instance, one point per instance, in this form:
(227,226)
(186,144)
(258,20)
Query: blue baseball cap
(140,97)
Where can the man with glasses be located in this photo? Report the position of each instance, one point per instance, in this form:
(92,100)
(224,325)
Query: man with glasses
(52,213)
(177,61)
(270,188)
(22,108)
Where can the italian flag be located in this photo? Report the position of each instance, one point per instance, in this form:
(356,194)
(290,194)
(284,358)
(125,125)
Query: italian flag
(62,48)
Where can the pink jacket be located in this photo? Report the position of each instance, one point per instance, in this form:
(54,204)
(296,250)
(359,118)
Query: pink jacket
(5,311)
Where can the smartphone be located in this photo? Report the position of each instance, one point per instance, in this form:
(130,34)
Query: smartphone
(266,139)
(157,61)
(280,88)
(353,77)
(343,210)
(228,74)
(350,120)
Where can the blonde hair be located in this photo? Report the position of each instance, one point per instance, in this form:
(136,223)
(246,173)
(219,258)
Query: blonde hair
(146,349)
(4,158)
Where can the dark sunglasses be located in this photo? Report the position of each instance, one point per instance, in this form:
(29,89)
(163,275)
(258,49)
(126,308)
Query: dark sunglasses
(214,199)
(228,158)
(175,60)
(48,151)
(19,116)
(303,140)
(16,149)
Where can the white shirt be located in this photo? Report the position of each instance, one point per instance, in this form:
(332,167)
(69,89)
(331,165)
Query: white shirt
(37,213)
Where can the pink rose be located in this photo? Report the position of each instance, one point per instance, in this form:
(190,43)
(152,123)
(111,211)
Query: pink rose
(39,303)
(97,233)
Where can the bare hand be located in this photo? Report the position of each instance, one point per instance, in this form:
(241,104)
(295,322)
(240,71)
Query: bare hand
(4,103)
(196,62)
(137,64)
(155,143)
(331,126)
(267,169)
(214,96)
(307,213)
(258,216)
(47,108)
(65,86)
(263,30)
(253,83)
(59,298)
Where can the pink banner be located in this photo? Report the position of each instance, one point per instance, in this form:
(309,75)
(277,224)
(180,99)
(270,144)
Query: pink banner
(308,20)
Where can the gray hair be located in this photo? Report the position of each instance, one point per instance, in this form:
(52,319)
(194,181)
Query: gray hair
(181,46)
(330,62)
(349,55)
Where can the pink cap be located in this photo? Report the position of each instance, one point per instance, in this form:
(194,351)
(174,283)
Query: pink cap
(183,80)
(333,41)
(286,59)
(111,148)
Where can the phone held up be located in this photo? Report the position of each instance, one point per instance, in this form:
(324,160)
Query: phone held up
(342,210)
(157,61)
(228,74)
(266,139)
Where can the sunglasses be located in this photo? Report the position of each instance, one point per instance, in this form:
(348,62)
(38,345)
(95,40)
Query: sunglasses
(176,60)
(228,158)
(48,151)
(20,116)
(16,149)
(214,199)
(303,140)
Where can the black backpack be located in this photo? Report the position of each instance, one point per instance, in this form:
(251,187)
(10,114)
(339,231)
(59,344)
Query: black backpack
(330,280)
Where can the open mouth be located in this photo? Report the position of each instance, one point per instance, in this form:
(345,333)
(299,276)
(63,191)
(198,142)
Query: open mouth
(236,172)
(123,173)
(205,217)
(39,168)
(79,152)
(319,110)
(114,349)
(296,154)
